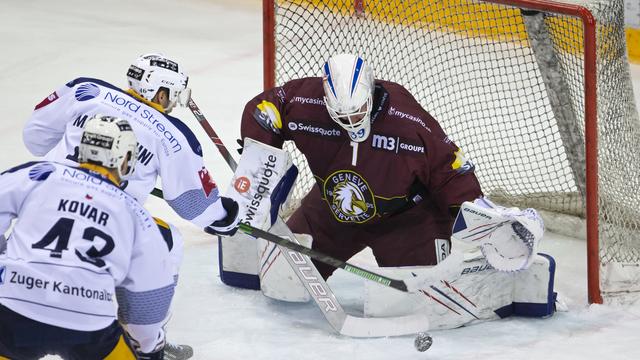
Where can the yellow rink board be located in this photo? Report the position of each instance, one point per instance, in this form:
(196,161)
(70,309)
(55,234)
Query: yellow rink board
(464,17)
(633,45)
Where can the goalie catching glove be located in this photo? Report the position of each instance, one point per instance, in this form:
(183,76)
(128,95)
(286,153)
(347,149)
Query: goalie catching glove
(229,224)
(507,237)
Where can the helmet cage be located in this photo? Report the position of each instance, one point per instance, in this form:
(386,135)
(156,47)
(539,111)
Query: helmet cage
(351,121)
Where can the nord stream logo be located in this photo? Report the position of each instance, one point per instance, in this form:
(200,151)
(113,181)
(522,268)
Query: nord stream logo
(87,92)
(145,116)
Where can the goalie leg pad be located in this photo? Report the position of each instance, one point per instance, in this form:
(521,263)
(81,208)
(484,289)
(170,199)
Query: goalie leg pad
(278,280)
(238,261)
(475,293)
(534,294)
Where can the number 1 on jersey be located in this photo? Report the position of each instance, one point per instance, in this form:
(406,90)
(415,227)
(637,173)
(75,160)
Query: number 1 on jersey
(354,155)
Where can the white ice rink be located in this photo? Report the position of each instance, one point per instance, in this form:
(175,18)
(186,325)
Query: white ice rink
(45,43)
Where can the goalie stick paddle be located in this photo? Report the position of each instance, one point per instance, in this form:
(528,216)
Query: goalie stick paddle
(356,270)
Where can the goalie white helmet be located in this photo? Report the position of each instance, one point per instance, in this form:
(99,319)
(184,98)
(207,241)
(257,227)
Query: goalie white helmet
(152,72)
(348,87)
(109,141)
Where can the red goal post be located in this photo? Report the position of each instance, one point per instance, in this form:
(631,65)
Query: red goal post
(300,34)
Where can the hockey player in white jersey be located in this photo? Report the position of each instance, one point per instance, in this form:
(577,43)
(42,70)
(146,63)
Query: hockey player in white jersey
(78,244)
(166,146)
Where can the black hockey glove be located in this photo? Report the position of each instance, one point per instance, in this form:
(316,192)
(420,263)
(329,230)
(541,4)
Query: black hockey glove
(229,224)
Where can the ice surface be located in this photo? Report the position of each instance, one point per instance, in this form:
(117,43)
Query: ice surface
(44,44)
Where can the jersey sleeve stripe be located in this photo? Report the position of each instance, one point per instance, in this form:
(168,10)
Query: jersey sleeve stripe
(145,307)
(192,203)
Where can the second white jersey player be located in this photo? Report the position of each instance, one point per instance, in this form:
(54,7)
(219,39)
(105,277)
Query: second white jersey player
(167,147)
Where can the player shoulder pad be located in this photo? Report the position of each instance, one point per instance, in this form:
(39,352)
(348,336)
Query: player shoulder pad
(81,80)
(88,88)
(21,166)
(191,138)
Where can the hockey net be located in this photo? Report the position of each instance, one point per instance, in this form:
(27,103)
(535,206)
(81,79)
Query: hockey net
(537,94)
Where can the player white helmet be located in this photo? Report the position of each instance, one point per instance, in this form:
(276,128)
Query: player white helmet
(151,72)
(348,87)
(110,142)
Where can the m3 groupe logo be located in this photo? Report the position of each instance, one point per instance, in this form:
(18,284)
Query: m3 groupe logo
(395,144)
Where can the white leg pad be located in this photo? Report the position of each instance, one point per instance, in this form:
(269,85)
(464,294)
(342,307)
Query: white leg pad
(277,278)
(477,293)
(238,261)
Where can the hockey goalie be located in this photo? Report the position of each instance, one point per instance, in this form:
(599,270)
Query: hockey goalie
(390,179)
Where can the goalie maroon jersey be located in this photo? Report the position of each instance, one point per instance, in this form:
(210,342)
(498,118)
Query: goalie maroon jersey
(391,192)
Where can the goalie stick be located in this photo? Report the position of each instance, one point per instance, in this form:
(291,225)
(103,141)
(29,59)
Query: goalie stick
(321,293)
(400,285)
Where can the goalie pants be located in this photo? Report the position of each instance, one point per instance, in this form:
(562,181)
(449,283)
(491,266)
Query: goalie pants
(405,239)
(22,338)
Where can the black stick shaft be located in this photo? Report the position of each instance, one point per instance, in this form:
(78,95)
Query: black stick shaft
(212,134)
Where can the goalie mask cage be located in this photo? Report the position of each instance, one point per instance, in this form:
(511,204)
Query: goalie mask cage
(537,93)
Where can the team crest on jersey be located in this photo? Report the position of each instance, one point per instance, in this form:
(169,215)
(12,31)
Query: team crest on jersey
(86,92)
(349,197)
(41,172)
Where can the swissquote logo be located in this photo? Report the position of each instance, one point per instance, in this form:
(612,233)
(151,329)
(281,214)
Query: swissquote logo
(349,197)
(86,92)
(313,129)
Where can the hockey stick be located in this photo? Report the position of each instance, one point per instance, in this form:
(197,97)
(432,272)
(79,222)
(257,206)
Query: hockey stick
(321,293)
(212,134)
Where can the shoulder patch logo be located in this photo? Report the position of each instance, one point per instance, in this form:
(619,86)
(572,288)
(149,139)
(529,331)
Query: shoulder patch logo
(208,185)
(41,172)
(461,164)
(349,197)
(87,92)
(48,100)
(268,116)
